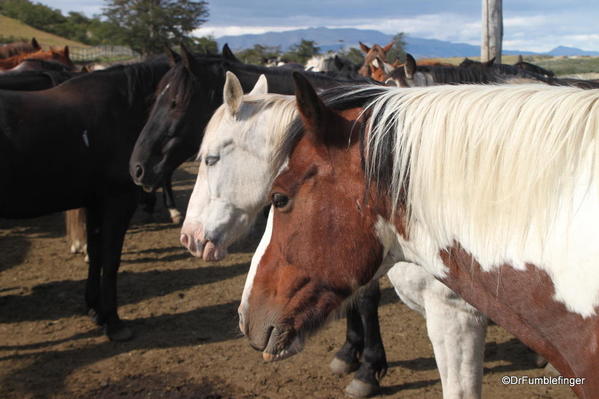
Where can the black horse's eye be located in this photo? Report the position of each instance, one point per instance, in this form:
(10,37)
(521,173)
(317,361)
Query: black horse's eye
(279,200)
(211,159)
(174,104)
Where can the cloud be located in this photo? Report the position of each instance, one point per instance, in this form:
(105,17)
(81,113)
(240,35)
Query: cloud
(218,31)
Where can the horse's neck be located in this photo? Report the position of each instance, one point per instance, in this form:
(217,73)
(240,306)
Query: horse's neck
(133,89)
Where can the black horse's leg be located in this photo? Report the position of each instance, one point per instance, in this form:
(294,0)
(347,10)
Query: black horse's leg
(148,202)
(118,209)
(92,286)
(169,199)
(373,365)
(347,359)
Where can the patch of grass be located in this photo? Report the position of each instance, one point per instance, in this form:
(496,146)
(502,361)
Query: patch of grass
(10,27)
(570,65)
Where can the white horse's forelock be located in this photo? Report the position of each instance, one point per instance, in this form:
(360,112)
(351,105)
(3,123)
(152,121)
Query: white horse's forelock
(509,172)
(251,114)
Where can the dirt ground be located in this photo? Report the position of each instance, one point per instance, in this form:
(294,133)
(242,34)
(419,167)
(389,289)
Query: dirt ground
(184,313)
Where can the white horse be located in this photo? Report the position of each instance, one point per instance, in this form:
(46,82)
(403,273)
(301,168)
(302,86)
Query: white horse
(241,154)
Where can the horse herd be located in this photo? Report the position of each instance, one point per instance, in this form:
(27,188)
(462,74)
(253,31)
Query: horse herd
(486,192)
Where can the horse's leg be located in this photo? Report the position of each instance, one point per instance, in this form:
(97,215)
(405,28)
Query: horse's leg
(76,231)
(456,330)
(148,203)
(347,359)
(169,200)
(118,210)
(373,366)
(92,286)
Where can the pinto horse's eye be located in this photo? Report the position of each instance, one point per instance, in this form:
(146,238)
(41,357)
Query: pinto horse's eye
(280,200)
(211,159)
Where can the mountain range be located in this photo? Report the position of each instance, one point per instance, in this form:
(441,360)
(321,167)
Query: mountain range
(336,39)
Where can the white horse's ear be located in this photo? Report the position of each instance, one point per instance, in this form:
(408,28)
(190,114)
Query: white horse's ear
(232,93)
(261,86)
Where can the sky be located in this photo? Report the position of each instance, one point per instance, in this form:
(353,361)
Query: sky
(533,25)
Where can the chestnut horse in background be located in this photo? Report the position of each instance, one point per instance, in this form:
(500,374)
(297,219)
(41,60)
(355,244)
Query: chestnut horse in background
(16,48)
(415,175)
(372,53)
(57,55)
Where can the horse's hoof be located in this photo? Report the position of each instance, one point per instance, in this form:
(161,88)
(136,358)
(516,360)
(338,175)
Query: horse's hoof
(91,312)
(341,367)
(176,216)
(549,369)
(361,389)
(540,361)
(119,334)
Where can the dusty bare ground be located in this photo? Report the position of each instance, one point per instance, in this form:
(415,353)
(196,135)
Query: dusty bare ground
(184,314)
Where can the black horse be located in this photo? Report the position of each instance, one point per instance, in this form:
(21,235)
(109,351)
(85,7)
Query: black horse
(186,99)
(68,147)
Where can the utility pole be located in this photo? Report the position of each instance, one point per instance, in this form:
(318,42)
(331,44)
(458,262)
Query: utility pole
(492,30)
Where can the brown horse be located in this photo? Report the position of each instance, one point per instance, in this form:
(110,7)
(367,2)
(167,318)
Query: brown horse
(16,48)
(415,175)
(57,55)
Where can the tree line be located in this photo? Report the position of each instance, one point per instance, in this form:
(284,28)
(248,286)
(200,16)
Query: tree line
(146,26)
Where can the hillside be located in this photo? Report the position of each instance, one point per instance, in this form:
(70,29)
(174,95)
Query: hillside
(12,27)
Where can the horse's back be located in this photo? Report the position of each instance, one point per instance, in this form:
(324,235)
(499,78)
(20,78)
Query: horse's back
(43,157)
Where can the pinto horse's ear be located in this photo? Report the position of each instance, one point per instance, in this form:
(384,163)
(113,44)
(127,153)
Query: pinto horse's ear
(261,86)
(228,54)
(232,93)
(365,49)
(35,44)
(188,59)
(388,46)
(410,66)
(311,108)
(65,52)
(172,57)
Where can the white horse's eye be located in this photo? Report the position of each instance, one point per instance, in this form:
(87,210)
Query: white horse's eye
(211,159)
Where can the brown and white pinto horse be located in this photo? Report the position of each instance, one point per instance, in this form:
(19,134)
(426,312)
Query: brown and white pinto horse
(54,54)
(502,207)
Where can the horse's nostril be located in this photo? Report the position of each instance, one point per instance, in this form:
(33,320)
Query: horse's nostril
(185,240)
(139,171)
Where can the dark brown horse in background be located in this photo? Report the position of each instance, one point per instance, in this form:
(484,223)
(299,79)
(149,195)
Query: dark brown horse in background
(16,48)
(74,153)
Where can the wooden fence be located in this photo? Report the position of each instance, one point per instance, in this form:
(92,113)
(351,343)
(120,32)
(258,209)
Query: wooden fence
(103,53)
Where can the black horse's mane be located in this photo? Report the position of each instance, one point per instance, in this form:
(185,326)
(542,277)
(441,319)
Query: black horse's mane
(473,73)
(141,77)
(183,82)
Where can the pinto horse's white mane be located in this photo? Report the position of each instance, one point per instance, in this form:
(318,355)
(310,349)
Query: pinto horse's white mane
(511,173)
